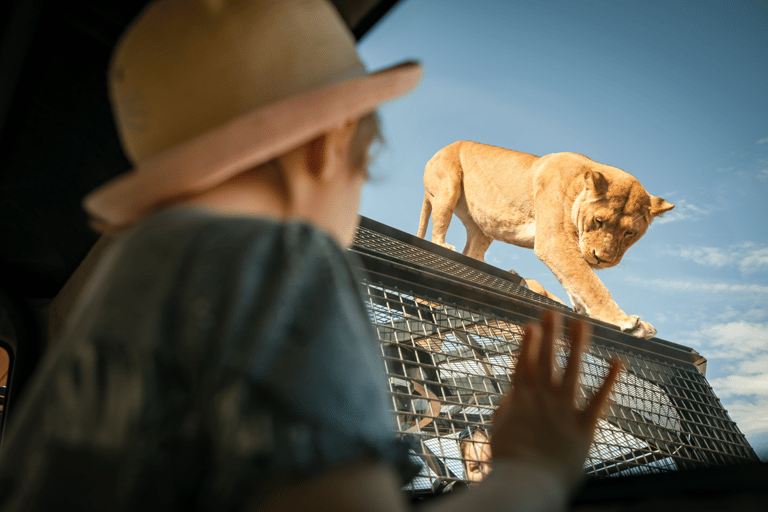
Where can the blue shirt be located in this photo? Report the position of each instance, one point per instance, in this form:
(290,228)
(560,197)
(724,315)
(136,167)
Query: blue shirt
(209,355)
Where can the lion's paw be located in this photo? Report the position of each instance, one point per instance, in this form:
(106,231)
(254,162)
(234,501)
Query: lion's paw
(447,246)
(638,328)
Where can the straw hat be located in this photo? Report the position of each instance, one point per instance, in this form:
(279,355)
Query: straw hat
(202,90)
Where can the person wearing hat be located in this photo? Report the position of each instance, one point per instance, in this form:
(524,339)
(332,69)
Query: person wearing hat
(220,357)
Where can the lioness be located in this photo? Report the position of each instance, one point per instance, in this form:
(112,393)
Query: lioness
(576,214)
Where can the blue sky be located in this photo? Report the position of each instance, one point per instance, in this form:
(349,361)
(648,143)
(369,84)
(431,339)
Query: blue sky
(673,92)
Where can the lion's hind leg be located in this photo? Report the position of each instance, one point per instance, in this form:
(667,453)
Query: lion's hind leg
(443,185)
(443,205)
(441,219)
(477,241)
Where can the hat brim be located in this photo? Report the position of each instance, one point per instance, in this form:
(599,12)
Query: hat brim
(242,143)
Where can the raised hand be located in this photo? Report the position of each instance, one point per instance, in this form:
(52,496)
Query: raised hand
(539,421)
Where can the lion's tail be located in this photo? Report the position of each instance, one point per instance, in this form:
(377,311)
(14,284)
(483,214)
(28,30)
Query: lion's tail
(426,211)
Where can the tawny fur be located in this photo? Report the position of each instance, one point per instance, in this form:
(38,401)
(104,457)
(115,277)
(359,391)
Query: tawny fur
(576,214)
(536,287)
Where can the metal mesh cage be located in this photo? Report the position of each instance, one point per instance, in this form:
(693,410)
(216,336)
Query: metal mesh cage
(450,336)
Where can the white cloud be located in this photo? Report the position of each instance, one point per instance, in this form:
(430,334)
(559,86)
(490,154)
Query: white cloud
(756,365)
(762,141)
(729,314)
(737,355)
(754,384)
(698,287)
(683,211)
(709,256)
(749,257)
(739,339)
(755,260)
(750,415)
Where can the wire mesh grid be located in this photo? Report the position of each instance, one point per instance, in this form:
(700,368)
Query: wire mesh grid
(449,357)
(448,367)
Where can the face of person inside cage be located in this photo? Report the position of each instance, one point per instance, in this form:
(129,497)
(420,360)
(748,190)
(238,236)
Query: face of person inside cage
(476,453)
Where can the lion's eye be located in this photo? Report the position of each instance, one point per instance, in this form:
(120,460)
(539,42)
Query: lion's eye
(599,222)
(629,233)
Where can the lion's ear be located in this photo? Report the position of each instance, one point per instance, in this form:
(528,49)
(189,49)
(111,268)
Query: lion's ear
(595,181)
(659,206)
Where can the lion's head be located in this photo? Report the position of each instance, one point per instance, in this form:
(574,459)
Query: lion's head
(612,212)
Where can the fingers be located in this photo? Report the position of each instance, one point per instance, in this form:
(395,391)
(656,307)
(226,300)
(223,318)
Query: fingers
(536,360)
(500,414)
(596,406)
(529,349)
(580,333)
(551,323)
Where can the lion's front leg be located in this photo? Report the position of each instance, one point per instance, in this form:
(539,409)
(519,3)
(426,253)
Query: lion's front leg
(589,295)
(560,252)
(637,327)
(578,306)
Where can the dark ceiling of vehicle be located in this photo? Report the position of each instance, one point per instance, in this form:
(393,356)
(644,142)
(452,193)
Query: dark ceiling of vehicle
(57,139)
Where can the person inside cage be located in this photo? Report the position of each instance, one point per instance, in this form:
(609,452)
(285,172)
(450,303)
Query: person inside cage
(221,357)
(475,450)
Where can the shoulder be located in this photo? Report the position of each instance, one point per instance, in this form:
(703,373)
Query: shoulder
(199,236)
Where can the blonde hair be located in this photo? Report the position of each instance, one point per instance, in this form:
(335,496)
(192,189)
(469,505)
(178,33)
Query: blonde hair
(365,141)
